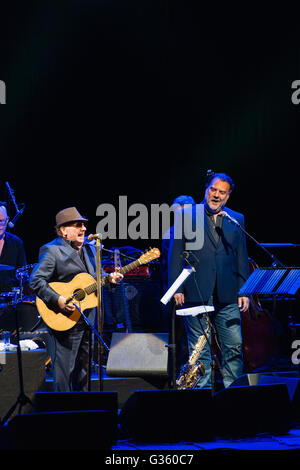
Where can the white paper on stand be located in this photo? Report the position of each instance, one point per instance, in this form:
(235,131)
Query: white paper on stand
(185,273)
(195,310)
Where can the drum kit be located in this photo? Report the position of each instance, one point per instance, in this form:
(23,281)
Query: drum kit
(20,297)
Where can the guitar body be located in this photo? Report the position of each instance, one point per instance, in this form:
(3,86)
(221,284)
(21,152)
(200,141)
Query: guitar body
(61,321)
(85,288)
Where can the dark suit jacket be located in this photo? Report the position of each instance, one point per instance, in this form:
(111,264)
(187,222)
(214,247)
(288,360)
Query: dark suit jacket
(59,262)
(223,264)
(13,254)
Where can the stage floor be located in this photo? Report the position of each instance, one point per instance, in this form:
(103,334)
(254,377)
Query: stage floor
(288,442)
(263,442)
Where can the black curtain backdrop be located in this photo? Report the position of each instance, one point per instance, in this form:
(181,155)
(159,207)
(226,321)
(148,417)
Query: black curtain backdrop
(140,98)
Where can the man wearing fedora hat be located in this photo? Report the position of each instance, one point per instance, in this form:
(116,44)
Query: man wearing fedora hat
(59,261)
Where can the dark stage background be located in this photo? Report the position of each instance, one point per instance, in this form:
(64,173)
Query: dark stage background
(141,98)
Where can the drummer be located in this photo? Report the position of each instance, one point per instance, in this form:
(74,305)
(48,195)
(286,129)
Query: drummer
(12,254)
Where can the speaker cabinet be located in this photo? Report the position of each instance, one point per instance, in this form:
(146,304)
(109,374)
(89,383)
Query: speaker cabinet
(138,355)
(33,369)
(249,410)
(68,430)
(168,416)
(71,401)
(79,401)
(290,379)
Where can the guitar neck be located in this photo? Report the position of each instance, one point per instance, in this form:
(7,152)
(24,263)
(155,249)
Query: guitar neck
(93,287)
(130,266)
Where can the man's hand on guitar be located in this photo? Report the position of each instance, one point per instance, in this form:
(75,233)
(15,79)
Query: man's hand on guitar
(66,308)
(115,277)
(68,315)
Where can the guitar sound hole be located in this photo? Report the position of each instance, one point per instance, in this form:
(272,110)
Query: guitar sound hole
(79,294)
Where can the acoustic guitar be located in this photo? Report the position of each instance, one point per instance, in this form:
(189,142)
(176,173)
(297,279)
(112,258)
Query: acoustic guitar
(82,291)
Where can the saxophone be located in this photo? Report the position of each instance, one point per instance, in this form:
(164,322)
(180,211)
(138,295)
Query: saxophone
(193,368)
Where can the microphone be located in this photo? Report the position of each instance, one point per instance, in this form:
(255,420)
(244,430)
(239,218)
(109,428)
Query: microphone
(96,236)
(16,217)
(231,219)
(185,255)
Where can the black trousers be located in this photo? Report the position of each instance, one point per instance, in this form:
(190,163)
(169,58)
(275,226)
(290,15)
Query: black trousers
(69,352)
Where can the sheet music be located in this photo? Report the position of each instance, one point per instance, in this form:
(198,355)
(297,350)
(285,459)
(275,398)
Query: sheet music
(195,310)
(186,272)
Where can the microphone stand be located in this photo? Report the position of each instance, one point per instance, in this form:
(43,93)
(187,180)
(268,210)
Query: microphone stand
(275,261)
(172,346)
(19,212)
(99,310)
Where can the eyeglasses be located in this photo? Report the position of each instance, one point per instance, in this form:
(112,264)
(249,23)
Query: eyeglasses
(76,224)
(3,222)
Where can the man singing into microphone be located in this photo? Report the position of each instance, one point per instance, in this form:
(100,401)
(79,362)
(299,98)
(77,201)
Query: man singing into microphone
(59,261)
(221,268)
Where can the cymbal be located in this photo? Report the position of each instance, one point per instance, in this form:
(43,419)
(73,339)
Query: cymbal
(6,267)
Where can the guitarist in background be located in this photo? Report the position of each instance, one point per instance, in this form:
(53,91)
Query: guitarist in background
(59,261)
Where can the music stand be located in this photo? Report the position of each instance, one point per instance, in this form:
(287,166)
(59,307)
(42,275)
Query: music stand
(272,281)
(202,310)
(185,273)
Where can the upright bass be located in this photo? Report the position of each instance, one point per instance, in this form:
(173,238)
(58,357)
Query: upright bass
(258,332)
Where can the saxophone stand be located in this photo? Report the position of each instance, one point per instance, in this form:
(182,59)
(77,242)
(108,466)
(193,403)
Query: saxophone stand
(164,300)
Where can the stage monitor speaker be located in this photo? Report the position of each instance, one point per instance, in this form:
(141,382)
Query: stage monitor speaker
(79,401)
(250,410)
(68,430)
(290,379)
(246,379)
(138,355)
(71,401)
(168,416)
